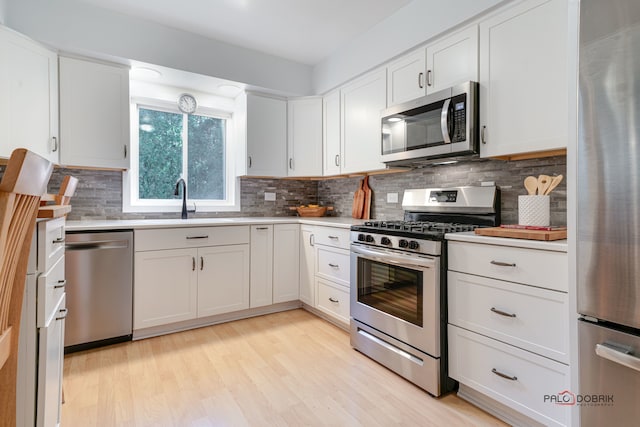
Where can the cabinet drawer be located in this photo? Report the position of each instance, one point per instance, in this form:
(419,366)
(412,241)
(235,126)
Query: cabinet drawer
(545,269)
(528,317)
(50,243)
(478,362)
(333,300)
(190,237)
(333,264)
(329,236)
(51,287)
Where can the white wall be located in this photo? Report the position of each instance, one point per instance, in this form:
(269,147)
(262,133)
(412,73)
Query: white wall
(412,25)
(82,28)
(3,11)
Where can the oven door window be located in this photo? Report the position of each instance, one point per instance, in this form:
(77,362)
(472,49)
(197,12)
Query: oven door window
(391,289)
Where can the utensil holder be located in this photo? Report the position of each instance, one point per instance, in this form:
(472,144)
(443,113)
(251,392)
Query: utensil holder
(534,210)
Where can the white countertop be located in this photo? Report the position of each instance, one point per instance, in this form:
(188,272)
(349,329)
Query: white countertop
(471,237)
(136,224)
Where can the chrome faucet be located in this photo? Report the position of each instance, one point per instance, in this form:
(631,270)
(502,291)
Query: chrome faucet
(184,196)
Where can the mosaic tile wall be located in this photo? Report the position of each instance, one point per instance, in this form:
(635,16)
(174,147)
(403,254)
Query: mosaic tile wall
(508,175)
(99,193)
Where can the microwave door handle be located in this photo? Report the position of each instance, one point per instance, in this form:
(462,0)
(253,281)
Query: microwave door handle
(444,121)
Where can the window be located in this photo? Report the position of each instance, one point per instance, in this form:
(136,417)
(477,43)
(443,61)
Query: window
(168,145)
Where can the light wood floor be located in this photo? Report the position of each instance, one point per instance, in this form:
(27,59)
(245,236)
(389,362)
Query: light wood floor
(284,369)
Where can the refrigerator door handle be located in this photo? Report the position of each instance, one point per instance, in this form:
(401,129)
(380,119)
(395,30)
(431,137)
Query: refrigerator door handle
(609,352)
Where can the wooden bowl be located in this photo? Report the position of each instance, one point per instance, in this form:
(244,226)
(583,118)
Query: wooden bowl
(315,211)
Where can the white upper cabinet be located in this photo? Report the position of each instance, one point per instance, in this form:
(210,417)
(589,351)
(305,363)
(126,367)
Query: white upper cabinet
(452,60)
(28,96)
(266,136)
(406,78)
(94,114)
(361,103)
(331,144)
(523,79)
(304,136)
(444,63)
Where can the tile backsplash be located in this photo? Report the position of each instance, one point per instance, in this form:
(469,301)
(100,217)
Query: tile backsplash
(99,193)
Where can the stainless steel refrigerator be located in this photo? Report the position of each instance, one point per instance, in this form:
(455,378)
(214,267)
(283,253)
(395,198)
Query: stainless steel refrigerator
(608,210)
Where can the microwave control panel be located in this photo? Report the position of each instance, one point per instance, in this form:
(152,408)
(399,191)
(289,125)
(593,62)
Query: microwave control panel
(459,118)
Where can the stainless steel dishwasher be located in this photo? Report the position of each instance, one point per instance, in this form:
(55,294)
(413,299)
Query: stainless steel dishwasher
(99,273)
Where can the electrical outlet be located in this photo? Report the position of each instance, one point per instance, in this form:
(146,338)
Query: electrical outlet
(392,197)
(270,197)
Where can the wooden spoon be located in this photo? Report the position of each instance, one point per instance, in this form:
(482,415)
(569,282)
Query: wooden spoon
(531,184)
(555,181)
(544,181)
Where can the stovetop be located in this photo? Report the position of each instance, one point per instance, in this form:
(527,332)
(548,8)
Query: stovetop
(424,229)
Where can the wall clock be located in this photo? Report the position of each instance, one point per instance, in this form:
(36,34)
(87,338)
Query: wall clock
(187,103)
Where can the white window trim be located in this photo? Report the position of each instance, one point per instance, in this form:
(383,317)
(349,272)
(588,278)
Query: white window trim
(133,204)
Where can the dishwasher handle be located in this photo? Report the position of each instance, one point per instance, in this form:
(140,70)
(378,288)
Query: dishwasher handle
(98,244)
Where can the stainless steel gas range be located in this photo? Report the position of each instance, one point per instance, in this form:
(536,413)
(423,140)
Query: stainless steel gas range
(398,281)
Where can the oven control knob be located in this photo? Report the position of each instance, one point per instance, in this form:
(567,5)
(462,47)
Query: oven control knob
(403,243)
(369,238)
(414,245)
(361,237)
(385,241)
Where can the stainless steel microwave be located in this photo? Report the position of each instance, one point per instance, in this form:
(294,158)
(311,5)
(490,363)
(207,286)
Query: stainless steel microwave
(439,125)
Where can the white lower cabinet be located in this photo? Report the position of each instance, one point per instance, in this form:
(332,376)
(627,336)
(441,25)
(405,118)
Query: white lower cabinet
(286,263)
(223,279)
(333,300)
(324,270)
(508,330)
(514,377)
(261,288)
(196,280)
(307,265)
(165,288)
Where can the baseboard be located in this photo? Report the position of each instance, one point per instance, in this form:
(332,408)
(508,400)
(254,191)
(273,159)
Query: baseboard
(213,320)
(325,316)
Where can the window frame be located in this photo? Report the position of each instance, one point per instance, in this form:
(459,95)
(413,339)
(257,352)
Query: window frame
(131,201)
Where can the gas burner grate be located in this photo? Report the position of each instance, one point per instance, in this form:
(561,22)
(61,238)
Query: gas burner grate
(421,227)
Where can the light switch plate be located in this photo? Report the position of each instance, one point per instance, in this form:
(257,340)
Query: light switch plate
(392,197)
(270,197)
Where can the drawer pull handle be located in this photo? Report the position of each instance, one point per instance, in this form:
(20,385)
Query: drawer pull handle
(505,376)
(197,237)
(333,299)
(502,313)
(262,228)
(61,284)
(58,240)
(334,265)
(63,313)
(504,264)
(333,237)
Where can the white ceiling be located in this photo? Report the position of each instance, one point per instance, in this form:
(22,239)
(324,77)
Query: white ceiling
(304,31)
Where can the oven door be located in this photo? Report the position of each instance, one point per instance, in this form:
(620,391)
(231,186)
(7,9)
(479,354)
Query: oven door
(397,294)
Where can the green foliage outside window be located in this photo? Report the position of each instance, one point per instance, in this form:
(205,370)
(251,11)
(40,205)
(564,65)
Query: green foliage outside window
(161,155)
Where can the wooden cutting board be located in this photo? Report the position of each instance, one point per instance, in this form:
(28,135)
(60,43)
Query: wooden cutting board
(358,201)
(556,234)
(366,210)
